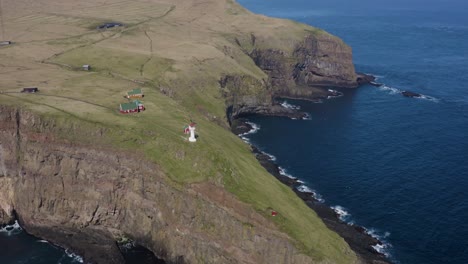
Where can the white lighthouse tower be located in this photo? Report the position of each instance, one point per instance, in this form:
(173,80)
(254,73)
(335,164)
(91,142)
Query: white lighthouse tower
(192,132)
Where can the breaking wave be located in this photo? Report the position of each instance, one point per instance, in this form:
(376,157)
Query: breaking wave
(307,117)
(12,229)
(304,189)
(377,77)
(384,246)
(283,172)
(272,158)
(74,257)
(390,90)
(335,92)
(393,90)
(342,213)
(430,98)
(287,105)
(254,129)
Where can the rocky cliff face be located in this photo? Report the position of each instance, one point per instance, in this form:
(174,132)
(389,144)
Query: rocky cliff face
(246,95)
(85,197)
(324,60)
(320,60)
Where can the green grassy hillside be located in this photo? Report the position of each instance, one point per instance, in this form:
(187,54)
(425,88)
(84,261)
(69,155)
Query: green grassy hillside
(176,51)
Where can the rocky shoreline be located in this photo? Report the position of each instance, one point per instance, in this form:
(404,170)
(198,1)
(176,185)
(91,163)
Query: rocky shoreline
(356,236)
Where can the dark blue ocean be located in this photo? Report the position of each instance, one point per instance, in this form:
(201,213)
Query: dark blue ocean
(17,247)
(398,166)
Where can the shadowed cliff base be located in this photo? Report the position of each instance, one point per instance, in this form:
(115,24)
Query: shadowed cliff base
(14,240)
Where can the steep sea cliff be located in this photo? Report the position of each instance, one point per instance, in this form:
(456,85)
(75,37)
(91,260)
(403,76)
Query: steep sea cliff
(77,173)
(86,197)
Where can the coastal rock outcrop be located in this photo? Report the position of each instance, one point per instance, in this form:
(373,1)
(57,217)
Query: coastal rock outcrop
(411,94)
(320,60)
(317,61)
(246,95)
(86,197)
(324,60)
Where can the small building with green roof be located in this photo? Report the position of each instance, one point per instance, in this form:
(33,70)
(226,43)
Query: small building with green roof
(135,93)
(131,107)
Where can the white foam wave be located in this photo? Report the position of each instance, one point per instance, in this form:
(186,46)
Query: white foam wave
(283,172)
(13,229)
(307,117)
(272,158)
(75,257)
(342,213)
(376,84)
(372,232)
(287,105)
(376,76)
(42,241)
(254,129)
(319,198)
(335,92)
(390,90)
(246,140)
(430,98)
(393,90)
(383,246)
(306,189)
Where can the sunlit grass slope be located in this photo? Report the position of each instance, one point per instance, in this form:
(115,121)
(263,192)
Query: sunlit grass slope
(176,51)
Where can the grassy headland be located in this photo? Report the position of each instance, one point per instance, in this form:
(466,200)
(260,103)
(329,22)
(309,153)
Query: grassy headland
(177,51)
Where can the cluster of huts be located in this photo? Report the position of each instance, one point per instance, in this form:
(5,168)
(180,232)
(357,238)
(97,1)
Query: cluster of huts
(134,106)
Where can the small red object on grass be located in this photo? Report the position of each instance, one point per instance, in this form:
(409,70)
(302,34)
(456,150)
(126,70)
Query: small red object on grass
(274,213)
